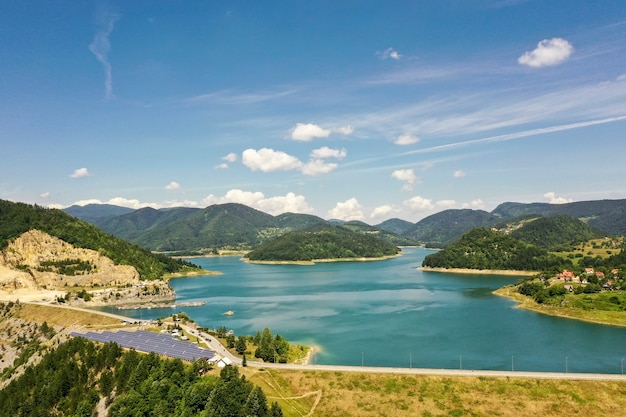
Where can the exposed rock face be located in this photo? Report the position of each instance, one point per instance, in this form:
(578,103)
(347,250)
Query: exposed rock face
(21,265)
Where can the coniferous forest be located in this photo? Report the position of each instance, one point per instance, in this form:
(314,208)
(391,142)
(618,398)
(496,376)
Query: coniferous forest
(79,376)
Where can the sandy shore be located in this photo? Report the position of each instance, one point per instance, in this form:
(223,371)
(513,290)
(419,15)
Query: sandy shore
(315,261)
(479,271)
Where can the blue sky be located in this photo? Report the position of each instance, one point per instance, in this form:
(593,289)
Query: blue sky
(344,109)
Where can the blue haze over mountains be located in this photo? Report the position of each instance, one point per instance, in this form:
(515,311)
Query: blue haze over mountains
(236,225)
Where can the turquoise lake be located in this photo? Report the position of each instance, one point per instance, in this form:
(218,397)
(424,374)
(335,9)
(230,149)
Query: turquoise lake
(388,313)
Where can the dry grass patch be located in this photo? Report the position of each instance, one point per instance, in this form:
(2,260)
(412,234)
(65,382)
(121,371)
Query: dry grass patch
(354,394)
(63,316)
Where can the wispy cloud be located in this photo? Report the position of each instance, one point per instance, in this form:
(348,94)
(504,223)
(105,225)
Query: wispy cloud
(389,53)
(234,97)
(101,46)
(516,135)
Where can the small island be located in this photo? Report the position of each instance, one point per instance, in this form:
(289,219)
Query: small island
(323,244)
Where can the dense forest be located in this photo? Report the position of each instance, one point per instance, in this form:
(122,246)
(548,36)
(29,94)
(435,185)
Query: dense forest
(18,218)
(483,248)
(556,232)
(326,242)
(79,375)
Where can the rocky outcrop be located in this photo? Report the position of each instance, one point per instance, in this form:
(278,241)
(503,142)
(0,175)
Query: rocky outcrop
(31,261)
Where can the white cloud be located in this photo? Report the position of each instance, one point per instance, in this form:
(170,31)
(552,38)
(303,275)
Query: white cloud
(349,210)
(80,173)
(118,201)
(548,52)
(389,53)
(406,139)
(268,160)
(345,130)
(459,174)
(289,203)
(478,203)
(273,205)
(231,157)
(446,204)
(45,195)
(621,77)
(305,132)
(553,199)
(406,175)
(326,152)
(101,47)
(419,203)
(382,211)
(317,167)
(172,186)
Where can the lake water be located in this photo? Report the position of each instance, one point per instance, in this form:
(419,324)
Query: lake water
(388,313)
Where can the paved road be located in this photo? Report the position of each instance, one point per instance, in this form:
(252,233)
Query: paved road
(222,351)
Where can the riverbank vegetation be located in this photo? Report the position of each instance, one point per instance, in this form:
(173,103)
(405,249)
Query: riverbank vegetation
(263,345)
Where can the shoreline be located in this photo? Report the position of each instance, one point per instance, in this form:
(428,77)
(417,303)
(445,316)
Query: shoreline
(314,261)
(561,312)
(480,271)
(201,273)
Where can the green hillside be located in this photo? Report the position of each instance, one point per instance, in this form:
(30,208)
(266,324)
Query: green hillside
(441,229)
(397,226)
(555,232)
(482,248)
(221,226)
(609,216)
(18,218)
(327,242)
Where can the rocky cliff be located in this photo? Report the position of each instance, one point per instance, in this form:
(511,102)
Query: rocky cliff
(53,264)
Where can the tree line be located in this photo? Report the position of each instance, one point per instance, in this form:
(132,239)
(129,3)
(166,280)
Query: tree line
(75,377)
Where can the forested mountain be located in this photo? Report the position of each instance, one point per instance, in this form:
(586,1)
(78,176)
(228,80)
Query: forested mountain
(441,229)
(397,226)
(483,248)
(237,226)
(17,218)
(324,242)
(555,232)
(132,225)
(230,225)
(609,216)
(390,237)
(93,213)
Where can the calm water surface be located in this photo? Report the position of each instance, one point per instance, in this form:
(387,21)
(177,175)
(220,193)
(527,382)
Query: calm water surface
(388,313)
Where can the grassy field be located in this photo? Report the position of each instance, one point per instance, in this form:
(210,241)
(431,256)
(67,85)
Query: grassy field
(64,317)
(317,393)
(602,248)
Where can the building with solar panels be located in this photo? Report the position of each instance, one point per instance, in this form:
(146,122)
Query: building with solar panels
(143,341)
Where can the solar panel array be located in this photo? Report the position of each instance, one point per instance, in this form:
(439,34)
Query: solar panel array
(161,344)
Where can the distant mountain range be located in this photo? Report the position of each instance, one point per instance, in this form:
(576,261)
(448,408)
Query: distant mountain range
(238,226)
